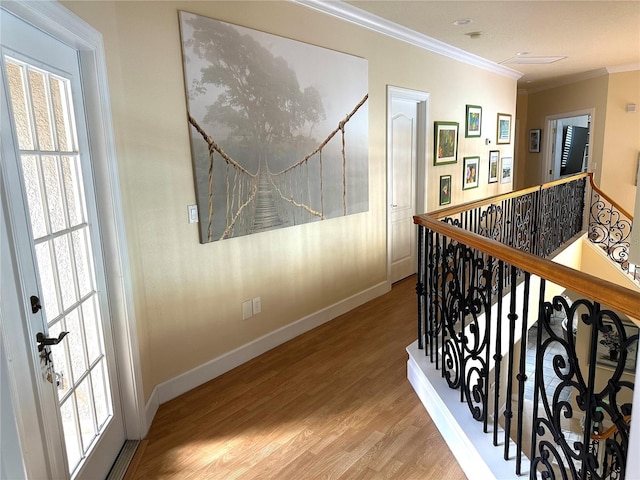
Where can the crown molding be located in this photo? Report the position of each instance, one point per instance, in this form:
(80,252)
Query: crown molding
(380,25)
(631,67)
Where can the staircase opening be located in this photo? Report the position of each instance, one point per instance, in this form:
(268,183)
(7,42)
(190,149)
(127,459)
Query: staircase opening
(542,356)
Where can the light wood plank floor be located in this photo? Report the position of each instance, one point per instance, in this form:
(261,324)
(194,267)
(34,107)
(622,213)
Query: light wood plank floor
(333,403)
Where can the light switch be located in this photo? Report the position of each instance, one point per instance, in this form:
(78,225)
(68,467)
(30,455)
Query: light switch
(193,213)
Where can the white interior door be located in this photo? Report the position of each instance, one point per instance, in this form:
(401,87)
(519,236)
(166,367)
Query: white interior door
(405,149)
(50,220)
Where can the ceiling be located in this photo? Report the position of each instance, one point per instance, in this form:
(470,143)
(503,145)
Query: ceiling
(592,35)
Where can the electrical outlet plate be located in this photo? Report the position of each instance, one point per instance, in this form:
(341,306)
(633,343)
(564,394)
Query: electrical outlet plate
(257,305)
(247,309)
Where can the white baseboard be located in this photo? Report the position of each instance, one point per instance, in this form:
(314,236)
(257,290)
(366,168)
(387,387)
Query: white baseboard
(208,371)
(150,410)
(472,448)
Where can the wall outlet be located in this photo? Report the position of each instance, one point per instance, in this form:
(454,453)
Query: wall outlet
(247,309)
(257,305)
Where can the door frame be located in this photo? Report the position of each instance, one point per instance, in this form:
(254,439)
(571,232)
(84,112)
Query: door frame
(55,20)
(549,140)
(422,100)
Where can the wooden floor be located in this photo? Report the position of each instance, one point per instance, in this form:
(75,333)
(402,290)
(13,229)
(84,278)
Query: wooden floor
(333,403)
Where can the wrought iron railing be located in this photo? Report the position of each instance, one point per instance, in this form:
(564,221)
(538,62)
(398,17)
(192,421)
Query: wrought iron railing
(610,228)
(484,288)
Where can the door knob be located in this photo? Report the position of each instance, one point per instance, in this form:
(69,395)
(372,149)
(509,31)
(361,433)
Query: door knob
(43,340)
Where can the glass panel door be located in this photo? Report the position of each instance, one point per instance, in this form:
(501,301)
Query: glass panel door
(71,290)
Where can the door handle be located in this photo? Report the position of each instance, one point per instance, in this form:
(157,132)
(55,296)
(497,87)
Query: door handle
(394,206)
(44,341)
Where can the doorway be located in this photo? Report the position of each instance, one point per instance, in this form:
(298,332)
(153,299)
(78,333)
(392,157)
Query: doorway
(567,141)
(62,251)
(407,112)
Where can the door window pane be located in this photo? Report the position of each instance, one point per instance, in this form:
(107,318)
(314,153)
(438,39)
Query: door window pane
(65,271)
(47,281)
(81,255)
(60,114)
(75,341)
(39,99)
(59,357)
(34,195)
(85,413)
(15,74)
(53,190)
(72,189)
(94,345)
(100,389)
(71,437)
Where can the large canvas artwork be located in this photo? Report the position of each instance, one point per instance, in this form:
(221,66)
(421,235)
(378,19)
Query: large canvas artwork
(278,128)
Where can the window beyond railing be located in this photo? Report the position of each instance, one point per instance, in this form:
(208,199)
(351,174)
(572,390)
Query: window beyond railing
(527,341)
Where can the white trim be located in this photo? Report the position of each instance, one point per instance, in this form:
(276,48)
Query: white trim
(151,408)
(208,371)
(349,13)
(473,449)
(549,141)
(631,67)
(56,20)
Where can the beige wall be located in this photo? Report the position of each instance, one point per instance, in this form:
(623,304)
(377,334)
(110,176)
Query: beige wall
(187,295)
(583,95)
(615,142)
(522,142)
(621,139)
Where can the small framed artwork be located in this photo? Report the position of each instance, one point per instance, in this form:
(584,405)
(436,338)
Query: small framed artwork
(473,121)
(534,140)
(609,347)
(507,169)
(494,156)
(445,189)
(445,143)
(504,129)
(470,179)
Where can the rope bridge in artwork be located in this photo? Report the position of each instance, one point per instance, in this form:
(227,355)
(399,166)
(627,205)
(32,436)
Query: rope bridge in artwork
(266,200)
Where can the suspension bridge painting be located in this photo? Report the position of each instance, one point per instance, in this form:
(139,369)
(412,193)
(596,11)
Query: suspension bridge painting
(278,129)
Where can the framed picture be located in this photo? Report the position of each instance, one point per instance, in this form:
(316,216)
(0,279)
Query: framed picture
(445,143)
(473,121)
(494,156)
(504,129)
(608,347)
(507,166)
(470,179)
(445,189)
(534,140)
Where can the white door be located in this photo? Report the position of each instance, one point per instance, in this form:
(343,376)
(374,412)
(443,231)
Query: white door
(50,220)
(405,147)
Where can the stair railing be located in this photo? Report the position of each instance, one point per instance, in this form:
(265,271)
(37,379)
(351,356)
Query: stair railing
(610,228)
(483,282)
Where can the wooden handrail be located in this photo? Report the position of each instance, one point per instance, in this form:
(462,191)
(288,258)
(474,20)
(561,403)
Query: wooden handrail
(447,212)
(560,181)
(624,299)
(609,432)
(608,199)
